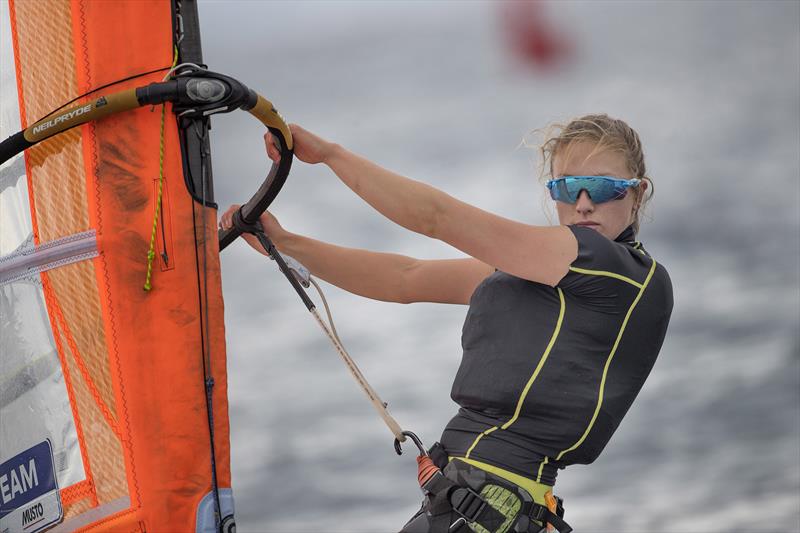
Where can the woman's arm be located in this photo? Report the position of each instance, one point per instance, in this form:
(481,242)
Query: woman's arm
(385,276)
(536,253)
(380,276)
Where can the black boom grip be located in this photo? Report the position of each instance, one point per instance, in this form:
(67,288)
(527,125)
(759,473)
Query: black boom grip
(13,145)
(269,189)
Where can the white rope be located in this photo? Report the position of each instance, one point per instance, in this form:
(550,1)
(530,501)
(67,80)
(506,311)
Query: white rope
(379,405)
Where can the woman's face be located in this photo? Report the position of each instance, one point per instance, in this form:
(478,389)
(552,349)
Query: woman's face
(582,158)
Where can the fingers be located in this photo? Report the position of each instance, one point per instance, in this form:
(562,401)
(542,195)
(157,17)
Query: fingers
(226,220)
(272,150)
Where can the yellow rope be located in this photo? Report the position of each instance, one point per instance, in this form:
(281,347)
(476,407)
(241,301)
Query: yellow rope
(151,254)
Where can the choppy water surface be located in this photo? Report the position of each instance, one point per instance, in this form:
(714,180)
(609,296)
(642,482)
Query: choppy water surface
(713,442)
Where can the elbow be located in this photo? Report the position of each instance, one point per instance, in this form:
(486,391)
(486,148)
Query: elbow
(432,220)
(404,289)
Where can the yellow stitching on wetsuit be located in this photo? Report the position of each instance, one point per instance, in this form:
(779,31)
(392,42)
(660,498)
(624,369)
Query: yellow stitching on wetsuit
(605,273)
(608,364)
(478,438)
(541,467)
(541,363)
(532,378)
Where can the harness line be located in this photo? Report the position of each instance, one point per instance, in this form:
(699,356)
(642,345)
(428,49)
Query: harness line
(379,405)
(298,280)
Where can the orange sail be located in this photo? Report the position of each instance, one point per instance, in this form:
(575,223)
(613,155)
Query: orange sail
(113,399)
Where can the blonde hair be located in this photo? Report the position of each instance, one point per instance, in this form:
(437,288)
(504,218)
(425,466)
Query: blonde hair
(608,134)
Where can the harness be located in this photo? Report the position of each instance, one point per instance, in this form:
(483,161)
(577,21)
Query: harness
(495,507)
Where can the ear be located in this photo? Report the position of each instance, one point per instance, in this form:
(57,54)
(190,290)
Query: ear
(644,184)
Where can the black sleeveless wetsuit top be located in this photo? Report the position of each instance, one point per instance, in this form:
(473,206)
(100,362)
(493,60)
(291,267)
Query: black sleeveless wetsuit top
(548,373)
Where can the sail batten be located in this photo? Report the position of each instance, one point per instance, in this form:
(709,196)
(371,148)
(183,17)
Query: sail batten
(26,261)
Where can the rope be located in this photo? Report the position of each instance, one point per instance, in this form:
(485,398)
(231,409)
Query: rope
(151,254)
(379,405)
(327,308)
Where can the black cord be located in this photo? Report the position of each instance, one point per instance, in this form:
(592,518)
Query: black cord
(207,370)
(257,230)
(62,106)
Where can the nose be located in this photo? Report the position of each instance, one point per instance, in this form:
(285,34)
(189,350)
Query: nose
(584,204)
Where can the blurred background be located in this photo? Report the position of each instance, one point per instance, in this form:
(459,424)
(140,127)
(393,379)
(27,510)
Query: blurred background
(445,92)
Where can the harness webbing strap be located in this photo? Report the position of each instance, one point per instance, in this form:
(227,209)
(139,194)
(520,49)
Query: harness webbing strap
(445,495)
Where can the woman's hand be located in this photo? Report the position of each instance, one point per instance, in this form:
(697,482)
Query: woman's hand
(269,223)
(308,148)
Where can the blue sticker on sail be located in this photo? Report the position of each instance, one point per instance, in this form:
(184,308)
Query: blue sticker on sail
(29,498)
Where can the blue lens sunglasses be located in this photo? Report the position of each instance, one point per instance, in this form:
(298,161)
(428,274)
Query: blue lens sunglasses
(600,188)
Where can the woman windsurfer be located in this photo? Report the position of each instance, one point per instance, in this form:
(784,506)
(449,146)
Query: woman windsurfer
(564,322)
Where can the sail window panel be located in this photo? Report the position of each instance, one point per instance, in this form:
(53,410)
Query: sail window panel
(9,101)
(73,302)
(15,217)
(31,381)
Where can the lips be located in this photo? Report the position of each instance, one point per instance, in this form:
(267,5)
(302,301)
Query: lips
(587,223)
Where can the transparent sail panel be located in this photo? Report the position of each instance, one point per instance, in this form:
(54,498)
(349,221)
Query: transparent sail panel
(34,404)
(15,223)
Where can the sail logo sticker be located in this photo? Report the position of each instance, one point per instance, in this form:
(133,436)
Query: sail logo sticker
(29,497)
(61,118)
